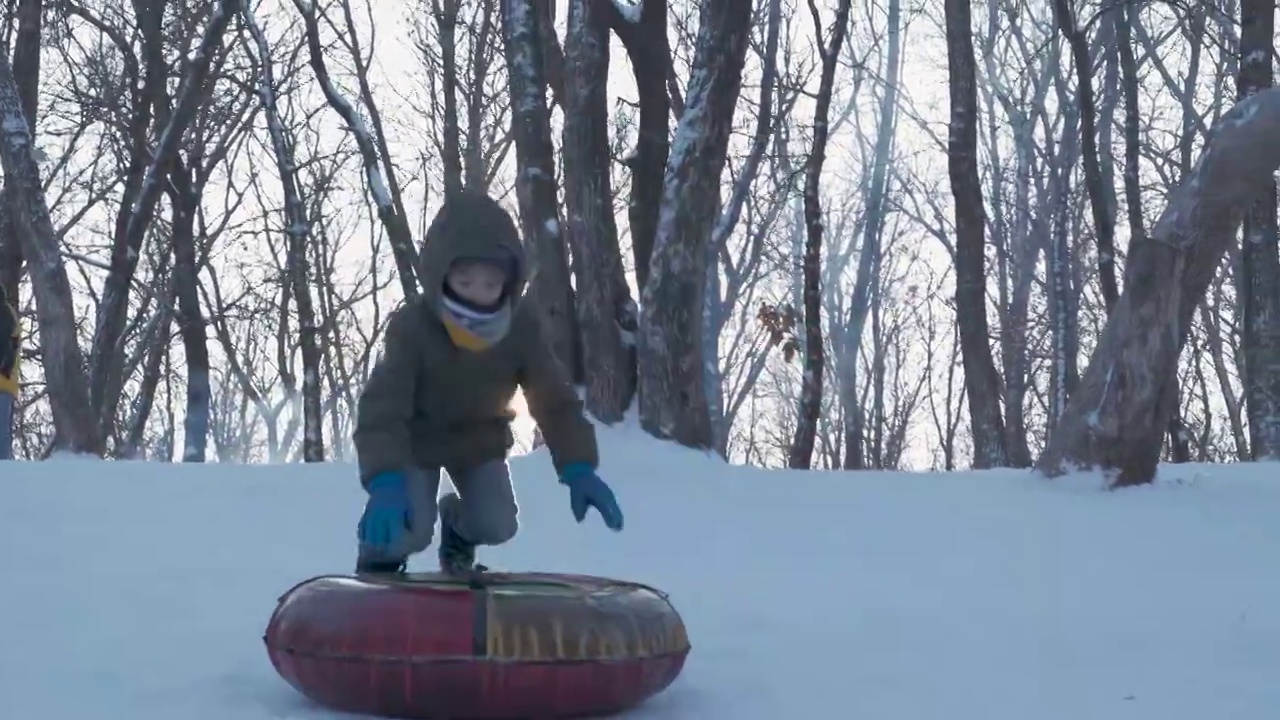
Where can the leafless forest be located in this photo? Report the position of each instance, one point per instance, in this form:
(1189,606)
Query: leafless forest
(828,234)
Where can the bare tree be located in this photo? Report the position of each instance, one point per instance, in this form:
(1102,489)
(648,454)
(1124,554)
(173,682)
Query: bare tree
(26,72)
(298,230)
(535,182)
(605,310)
(1103,220)
(981,379)
(146,183)
(1115,420)
(801,452)
(860,303)
(1258,281)
(673,401)
(371,139)
(445,15)
(642,29)
(76,426)
(721,298)
(467,105)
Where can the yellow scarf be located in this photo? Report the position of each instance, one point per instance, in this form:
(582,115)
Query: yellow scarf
(462,337)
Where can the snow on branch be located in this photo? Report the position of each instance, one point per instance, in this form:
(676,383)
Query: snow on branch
(630,11)
(394,222)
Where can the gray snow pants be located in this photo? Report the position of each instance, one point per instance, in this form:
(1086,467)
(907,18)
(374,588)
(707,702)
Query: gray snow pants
(486,515)
(6,426)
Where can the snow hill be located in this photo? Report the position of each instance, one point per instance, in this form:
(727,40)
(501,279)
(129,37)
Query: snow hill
(140,591)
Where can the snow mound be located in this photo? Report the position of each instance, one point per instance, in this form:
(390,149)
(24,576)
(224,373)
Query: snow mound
(140,591)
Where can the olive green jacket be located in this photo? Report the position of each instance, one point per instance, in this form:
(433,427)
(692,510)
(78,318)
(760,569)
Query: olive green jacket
(431,404)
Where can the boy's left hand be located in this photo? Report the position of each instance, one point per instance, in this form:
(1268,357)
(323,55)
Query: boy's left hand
(587,490)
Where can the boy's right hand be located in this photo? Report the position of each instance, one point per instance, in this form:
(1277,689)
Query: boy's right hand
(387,514)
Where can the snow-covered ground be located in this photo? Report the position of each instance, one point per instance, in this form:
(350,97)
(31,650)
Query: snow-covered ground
(141,591)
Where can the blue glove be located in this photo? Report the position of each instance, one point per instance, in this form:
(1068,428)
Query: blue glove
(587,490)
(387,514)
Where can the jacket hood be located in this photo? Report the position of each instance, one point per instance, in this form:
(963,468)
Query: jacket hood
(471,226)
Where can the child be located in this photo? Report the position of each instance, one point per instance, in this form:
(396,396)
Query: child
(440,397)
(10,346)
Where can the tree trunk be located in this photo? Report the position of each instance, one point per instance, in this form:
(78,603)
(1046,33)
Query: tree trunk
(644,35)
(1129,84)
(75,425)
(673,400)
(869,253)
(1103,219)
(549,286)
(604,301)
(716,310)
(800,455)
(1063,303)
(105,370)
(297,228)
(155,338)
(446,17)
(1258,282)
(1116,419)
(184,196)
(981,380)
(1016,248)
(26,71)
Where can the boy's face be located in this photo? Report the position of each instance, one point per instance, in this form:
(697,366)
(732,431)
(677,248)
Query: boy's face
(477,282)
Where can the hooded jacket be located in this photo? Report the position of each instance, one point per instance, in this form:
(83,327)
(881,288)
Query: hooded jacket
(10,346)
(431,402)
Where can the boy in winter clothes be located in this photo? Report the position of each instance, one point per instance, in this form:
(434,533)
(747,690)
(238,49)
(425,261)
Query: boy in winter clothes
(10,347)
(439,398)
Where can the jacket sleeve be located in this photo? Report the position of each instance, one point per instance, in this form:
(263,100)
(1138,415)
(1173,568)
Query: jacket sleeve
(553,402)
(386,404)
(10,346)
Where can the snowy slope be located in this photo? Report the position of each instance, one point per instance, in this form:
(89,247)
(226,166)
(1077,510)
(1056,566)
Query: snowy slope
(140,592)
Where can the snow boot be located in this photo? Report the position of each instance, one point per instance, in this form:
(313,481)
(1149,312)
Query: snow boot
(457,554)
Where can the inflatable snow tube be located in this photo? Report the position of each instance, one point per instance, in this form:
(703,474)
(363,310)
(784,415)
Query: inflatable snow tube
(505,645)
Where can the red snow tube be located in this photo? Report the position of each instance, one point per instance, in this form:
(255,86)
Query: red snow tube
(519,645)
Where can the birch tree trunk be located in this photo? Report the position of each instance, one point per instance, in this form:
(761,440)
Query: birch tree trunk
(1063,303)
(1017,247)
(1116,419)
